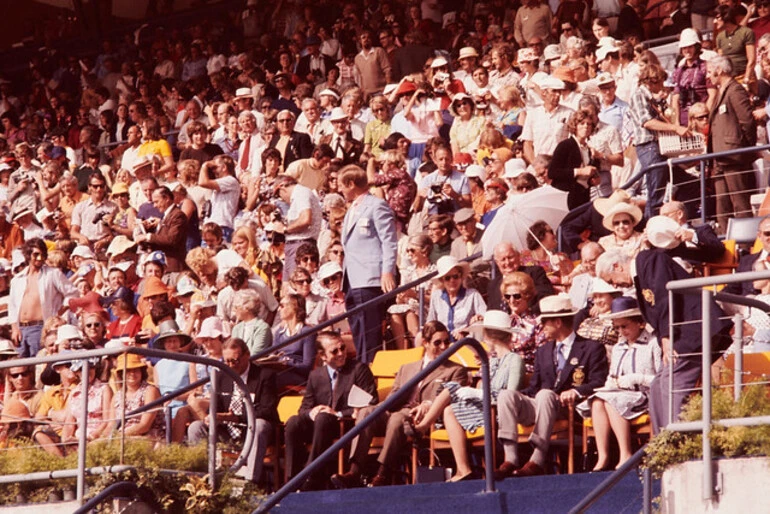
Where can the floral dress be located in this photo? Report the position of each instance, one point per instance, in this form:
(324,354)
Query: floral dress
(157,430)
(527,337)
(96,415)
(402,190)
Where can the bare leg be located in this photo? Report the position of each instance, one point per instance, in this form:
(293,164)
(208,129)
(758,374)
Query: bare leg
(412,323)
(602,430)
(398,327)
(48,444)
(439,404)
(459,444)
(179,424)
(622,428)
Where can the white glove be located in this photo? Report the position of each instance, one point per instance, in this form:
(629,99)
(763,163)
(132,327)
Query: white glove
(629,381)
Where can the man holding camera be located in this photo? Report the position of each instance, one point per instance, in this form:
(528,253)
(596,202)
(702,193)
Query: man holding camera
(89,226)
(446,189)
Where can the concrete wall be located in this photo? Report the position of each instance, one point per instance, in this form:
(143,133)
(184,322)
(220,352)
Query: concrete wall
(741,485)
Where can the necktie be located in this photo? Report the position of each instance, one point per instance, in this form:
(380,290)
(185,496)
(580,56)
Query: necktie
(335,374)
(236,407)
(561,360)
(245,154)
(338,149)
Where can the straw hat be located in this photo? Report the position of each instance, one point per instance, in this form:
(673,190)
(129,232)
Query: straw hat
(129,361)
(338,114)
(447,263)
(623,307)
(118,245)
(603,205)
(661,232)
(526,55)
(622,208)
(564,74)
(119,188)
(467,51)
(493,320)
(556,306)
(329,92)
(7,349)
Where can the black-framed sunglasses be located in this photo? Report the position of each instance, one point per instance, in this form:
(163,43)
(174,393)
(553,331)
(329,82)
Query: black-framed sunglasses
(441,342)
(513,296)
(328,280)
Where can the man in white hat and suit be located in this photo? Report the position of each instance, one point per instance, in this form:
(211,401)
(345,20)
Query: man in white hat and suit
(567,369)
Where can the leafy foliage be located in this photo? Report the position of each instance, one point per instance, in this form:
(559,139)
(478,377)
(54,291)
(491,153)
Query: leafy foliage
(670,448)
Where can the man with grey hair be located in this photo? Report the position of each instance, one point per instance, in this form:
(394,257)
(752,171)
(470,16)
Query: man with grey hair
(732,127)
(649,272)
(254,331)
(249,160)
(584,276)
(309,122)
(293,145)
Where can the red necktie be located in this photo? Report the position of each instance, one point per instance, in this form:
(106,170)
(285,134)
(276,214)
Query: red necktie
(245,154)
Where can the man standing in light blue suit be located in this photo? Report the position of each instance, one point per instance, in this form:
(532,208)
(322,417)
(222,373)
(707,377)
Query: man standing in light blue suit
(370,241)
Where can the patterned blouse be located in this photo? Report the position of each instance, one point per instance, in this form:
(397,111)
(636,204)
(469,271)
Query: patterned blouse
(527,337)
(402,190)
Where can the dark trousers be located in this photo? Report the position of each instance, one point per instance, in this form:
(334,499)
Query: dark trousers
(687,188)
(733,188)
(319,434)
(365,325)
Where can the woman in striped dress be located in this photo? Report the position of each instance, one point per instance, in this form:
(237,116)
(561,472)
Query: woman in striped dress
(462,407)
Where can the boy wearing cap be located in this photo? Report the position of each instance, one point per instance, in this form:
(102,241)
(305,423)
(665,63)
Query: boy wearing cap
(567,368)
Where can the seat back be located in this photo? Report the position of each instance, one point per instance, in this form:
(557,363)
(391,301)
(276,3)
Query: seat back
(386,363)
(288,406)
(742,230)
(756,367)
(465,356)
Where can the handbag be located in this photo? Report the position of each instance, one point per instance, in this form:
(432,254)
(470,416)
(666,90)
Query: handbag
(430,474)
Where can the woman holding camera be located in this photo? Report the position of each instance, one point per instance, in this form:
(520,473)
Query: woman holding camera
(571,168)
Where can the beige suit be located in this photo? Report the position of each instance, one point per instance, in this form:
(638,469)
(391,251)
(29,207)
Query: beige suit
(391,424)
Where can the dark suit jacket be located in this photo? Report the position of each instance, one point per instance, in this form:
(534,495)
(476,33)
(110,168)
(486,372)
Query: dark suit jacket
(319,387)
(352,150)
(170,237)
(261,386)
(300,146)
(732,124)
(561,171)
(543,287)
(303,67)
(576,222)
(654,270)
(708,249)
(587,356)
(746,263)
(430,386)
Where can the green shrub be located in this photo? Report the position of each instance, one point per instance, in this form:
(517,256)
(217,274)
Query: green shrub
(670,448)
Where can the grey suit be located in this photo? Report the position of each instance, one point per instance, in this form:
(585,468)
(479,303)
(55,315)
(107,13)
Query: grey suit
(370,241)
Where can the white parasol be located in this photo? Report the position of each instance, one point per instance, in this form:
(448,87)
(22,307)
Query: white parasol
(512,221)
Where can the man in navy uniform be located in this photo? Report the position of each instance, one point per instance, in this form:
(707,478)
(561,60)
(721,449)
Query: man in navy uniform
(649,273)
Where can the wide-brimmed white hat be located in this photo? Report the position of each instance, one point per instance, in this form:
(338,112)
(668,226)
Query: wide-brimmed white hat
(328,270)
(551,83)
(688,37)
(493,320)
(551,52)
(329,92)
(556,306)
(661,232)
(460,97)
(211,328)
(338,114)
(514,167)
(622,208)
(67,333)
(447,263)
(476,170)
(84,252)
(602,286)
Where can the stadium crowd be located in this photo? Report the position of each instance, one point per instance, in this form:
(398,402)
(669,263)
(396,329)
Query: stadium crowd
(220,188)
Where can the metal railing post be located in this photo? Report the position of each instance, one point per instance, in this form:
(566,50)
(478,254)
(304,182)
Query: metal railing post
(488,442)
(708,486)
(213,429)
(670,413)
(738,353)
(421,313)
(647,491)
(703,214)
(83,436)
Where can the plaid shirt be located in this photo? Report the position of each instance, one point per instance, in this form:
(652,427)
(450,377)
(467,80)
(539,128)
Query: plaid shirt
(641,111)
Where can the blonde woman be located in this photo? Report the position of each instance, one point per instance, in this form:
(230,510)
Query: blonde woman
(188,176)
(512,115)
(467,126)
(379,128)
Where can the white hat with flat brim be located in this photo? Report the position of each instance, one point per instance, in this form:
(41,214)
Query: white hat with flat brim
(622,208)
(556,306)
(493,320)
(447,263)
(661,232)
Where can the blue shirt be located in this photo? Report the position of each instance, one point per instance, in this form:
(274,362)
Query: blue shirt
(457,180)
(613,114)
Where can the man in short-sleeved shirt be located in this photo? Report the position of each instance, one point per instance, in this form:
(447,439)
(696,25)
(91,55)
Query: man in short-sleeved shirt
(226,192)
(303,219)
(733,45)
(546,125)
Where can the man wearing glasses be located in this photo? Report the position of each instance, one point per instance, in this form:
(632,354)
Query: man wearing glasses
(89,226)
(37,293)
(293,145)
(325,402)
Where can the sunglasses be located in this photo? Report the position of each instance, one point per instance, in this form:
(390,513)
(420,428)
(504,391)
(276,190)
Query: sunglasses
(765,233)
(232,362)
(97,186)
(513,296)
(285,120)
(337,351)
(453,276)
(20,374)
(308,259)
(441,342)
(329,280)
(621,222)
(93,325)
(701,117)
(305,281)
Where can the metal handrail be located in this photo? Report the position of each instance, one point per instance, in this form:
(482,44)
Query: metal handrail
(119,488)
(341,317)
(383,407)
(217,366)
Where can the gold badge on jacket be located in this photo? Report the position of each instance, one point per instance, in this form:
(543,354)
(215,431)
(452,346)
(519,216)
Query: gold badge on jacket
(578,376)
(649,296)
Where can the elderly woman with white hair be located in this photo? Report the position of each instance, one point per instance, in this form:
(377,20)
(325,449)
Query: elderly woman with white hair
(452,303)
(253,330)
(621,220)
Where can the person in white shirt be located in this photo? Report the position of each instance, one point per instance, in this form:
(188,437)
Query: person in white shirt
(546,126)
(226,192)
(303,220)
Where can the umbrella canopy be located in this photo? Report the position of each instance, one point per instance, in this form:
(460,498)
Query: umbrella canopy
(513,220)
